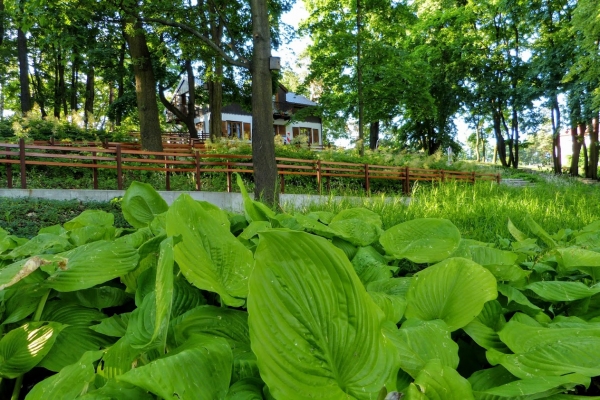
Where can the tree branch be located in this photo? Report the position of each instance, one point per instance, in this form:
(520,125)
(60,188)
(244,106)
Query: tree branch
(237,62)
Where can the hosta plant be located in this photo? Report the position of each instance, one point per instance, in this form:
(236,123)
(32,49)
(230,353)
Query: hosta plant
(197,303)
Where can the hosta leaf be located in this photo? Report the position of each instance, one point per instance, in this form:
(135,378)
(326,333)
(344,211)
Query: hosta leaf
(562,291)
(216,321)
(90,265)
(164,291)
(90,218)
(516,233)
(539,232)
(24,347)
(149,252)
(483,329)
(209,256)
(521,338)
(389,295)
(246,389)
(70,382)
(323,216)
(254,228)
(423,240)
(71,343)
(575,355)
(141,203)
(137,238)
(418,342)
(583,260)
(118,359)
(515,295)
(314,329)
(98,297)
(358,226)
(348,248)
(487,386)
(439,382)
(254,210)
(198,370)
(245,364)
(15,272)
(489,256)
(44,243)
(370,265)
(114,390)
(115,326)
(70,314)
(314,226)
(454,291)
(22,303)
(90,234)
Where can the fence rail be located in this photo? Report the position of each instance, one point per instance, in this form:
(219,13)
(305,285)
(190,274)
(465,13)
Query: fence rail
(121,157)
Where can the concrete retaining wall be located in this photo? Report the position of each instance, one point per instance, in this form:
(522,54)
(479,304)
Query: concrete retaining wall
(227,201)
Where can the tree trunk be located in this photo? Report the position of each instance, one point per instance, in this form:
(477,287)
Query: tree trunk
(593,160)
(89,96)
(145,88)
(576,149)
(23,72)
(62,86)
(74,81)
(500,151)
(477,137)
(38,88)
(120,84)
(373,135)
(515,137)
(361,134)
(263,145)
(188,115)
(215,100)
(556,153)
(511,154)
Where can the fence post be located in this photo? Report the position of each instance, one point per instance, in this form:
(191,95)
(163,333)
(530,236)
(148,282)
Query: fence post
(95,171)
(167,174)
(406,180)
(498,178)
(443,175)
(319,178)
(367,183)
(473,177)
(228,177)
(198,182)
(9,181)
(282,183)
(22,162)
(119,167)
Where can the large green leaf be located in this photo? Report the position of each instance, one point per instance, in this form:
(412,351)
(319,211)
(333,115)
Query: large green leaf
(439,382)
(498,384)
(423,240)
(115,326)
(90,218)
(164,291)
(418,342)
(90,265)
(370,265)
(141,203)
(562,291)
(453,290)
(198,370)
(71,343)
(44,243)
(569,355)
(209,256)
(216,321)
(389,295)
(24,347)
(358,226)
(118,359)
(539,231)
(484,329)
(70,314)
(114,390)
(98,297)
(23,302)
(246,389)
(70,382)
(521,338)
(314,329)
(254,210)
(515,295)
(583,260)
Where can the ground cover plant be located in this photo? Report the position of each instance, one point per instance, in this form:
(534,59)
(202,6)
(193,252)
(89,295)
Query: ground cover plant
(197,303)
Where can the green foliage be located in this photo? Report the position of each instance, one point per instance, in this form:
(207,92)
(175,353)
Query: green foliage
(314,309)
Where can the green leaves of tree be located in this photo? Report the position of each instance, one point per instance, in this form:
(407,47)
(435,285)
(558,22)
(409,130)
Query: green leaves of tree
(314,329)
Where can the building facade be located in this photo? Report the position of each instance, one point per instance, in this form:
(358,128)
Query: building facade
(237,122)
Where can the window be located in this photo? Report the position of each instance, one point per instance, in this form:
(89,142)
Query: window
(232,129)
(312,134)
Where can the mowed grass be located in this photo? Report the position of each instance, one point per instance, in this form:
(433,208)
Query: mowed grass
(481,211)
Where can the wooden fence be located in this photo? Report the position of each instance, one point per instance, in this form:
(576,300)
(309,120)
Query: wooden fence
(122,158)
